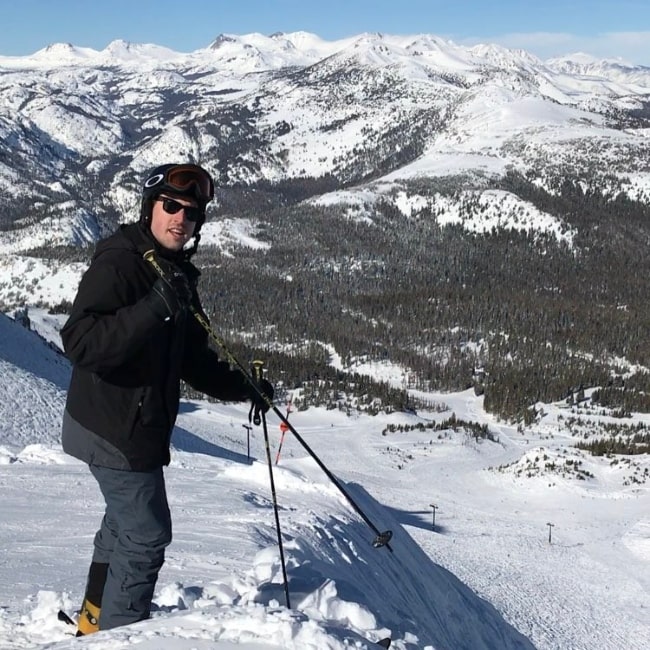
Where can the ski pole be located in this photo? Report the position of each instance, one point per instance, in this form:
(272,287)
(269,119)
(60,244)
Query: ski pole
(284,429)
(382,538)
(257,376)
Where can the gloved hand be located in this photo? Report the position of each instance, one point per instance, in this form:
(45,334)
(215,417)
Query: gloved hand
(258,402)
(169,295)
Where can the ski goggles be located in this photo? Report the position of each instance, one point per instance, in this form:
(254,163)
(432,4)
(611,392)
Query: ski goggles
(192,213)
(183,179)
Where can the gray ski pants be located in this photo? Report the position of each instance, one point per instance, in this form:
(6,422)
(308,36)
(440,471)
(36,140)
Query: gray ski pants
(134,533)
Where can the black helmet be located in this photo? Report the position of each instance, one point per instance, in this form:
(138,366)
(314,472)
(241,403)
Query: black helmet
(182,179)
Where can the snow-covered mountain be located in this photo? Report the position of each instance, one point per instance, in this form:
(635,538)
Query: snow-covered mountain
(79,126)
(531,544)
(585,65)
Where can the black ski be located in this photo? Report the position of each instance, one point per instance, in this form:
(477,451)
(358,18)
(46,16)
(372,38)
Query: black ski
(64,618)
(68,620)
(384,643)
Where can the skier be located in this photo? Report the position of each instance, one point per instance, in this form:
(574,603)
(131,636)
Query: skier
(131,338)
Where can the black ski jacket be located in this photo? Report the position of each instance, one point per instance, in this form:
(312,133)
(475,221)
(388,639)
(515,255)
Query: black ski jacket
(127,365)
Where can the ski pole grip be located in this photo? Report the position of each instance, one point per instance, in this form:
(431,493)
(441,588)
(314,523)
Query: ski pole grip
(256,372)
(150,256)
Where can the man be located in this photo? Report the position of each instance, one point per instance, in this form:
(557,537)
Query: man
(132,337)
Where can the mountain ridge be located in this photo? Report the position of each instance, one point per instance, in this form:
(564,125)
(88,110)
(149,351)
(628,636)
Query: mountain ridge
(87,117)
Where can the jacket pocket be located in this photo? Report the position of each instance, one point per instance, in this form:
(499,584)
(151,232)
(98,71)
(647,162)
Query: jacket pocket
(153,410)
(135,411)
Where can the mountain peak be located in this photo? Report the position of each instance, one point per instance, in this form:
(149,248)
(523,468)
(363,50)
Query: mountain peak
(504,56)
(60,47)
(63,53)
(221,40)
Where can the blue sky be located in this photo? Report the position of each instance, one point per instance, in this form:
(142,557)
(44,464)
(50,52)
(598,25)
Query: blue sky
(546,28)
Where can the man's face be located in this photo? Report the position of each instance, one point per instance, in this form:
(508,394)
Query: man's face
(172,229)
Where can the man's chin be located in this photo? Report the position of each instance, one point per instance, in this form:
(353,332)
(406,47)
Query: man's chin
(172,246)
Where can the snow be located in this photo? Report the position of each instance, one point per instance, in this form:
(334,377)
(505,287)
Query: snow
(228,233)
(493,208)
(76,228)
(501,209)
(32,280)
(485,577)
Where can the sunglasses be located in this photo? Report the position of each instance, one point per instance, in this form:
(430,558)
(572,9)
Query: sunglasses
(191,213)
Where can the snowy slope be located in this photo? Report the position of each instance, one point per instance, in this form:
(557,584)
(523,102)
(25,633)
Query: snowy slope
(486,577)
